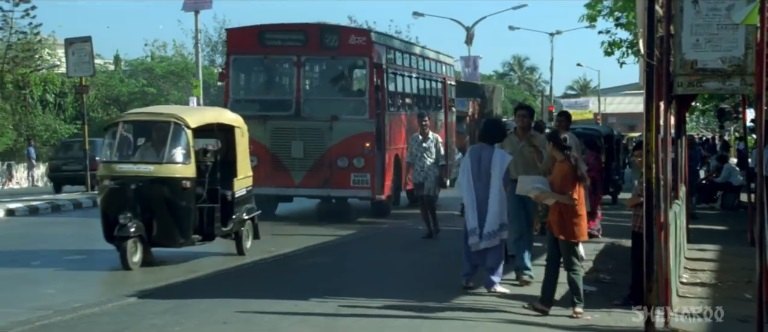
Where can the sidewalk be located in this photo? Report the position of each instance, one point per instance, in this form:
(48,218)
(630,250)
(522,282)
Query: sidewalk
(41,200)
(720,271)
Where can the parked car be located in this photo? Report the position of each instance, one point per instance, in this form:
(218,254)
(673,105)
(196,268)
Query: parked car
(66,167)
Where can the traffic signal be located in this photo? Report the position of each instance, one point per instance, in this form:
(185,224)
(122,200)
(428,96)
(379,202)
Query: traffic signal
(551,113)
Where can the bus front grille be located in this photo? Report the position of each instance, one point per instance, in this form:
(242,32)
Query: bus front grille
(297,148)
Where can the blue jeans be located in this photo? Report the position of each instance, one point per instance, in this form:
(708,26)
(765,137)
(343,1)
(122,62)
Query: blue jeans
(491,260)
(521,211)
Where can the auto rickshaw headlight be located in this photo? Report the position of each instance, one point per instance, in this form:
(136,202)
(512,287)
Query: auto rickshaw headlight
(125,218)
(358,162)
(342,162)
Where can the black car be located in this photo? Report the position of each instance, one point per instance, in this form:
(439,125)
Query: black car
(66,166)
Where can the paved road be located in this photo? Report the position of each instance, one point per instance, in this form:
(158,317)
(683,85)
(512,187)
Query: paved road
(52,265)
(366,275)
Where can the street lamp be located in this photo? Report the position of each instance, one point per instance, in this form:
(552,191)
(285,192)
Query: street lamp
(599,108)
(552,36)
(468,29)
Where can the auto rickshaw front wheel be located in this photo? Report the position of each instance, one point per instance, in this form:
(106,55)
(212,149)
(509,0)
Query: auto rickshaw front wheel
(131,252)
(244,238)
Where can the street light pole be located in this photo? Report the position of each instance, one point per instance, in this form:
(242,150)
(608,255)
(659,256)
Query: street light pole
(599,87)
(551,69)
(552,35)
(469,30)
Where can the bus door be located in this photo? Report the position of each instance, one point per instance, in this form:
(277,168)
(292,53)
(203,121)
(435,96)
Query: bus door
(380,108)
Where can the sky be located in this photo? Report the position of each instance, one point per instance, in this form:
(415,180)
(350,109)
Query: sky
(125,26)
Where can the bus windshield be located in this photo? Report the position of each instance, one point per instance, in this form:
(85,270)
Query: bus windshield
(262,85)
(335,86)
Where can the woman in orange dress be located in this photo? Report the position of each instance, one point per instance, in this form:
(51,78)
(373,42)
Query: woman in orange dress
(567,224)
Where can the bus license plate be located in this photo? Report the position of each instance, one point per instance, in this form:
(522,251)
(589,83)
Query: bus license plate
(361,179)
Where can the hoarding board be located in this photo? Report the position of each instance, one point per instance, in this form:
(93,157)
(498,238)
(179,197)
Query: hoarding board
(713,52)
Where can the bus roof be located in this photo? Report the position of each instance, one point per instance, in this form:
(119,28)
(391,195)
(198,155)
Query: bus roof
(191,116)
(378,37)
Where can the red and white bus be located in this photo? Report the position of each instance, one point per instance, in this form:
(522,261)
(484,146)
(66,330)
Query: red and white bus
(330,109)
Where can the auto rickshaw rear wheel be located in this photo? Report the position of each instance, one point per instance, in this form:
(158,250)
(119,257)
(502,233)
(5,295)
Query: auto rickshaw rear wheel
(244,238)
(131,253)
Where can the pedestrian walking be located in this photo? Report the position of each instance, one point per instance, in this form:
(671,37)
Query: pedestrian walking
(31,162)
(9,180)
(484,185)
(635,203)
(594,162)
(527,149)
(567,225)
(425,162)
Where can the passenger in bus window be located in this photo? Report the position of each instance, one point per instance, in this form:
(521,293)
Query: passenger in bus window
(425,162)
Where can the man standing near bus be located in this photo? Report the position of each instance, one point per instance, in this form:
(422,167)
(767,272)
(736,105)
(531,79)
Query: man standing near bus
(425,162)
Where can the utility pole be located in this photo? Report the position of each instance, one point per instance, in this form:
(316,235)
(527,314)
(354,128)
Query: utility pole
(78,52)
(195,6)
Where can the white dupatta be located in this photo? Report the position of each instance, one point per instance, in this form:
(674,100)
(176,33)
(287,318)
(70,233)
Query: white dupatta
(496,223)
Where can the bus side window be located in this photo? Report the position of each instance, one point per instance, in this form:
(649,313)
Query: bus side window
(400,92)
(398,58)
(440,95)
(423,94)
(408,93)
(392,92)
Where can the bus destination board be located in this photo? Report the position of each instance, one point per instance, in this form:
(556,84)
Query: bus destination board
(283,38)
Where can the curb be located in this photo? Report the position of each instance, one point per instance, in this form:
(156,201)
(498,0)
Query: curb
(46,207)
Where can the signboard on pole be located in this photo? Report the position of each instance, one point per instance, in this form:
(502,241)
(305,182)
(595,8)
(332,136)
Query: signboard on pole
(196,5)
(78,52)
(470,68)
(714,53)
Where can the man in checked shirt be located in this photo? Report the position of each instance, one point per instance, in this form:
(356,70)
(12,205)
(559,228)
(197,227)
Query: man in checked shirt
(635,296)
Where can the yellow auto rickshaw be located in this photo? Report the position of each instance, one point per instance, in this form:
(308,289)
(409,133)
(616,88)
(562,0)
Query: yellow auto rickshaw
(175,176)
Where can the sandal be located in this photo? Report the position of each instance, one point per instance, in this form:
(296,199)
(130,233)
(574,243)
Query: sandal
(577,313)
(537,307)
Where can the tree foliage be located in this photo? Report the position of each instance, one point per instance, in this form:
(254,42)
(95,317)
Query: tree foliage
(620,37)
(522,82)
(582,86)
(392,28)
(39,102)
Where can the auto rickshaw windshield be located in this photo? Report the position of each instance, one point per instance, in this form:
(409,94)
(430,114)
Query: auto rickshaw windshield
(156,142)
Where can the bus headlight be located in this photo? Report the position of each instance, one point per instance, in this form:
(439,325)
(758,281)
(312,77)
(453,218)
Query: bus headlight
(342,162)
(358,162)
(254,161)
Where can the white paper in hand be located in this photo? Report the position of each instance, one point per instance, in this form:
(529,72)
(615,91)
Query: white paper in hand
(530,185)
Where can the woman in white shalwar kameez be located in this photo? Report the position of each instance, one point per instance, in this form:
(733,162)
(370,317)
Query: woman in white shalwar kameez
(483,182)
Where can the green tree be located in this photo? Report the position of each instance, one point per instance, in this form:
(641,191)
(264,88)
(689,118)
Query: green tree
(582,86)
(621,40)
(519,71)
(522,82)
(34,101)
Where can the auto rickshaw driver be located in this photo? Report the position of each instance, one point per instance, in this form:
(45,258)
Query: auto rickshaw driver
(154,150)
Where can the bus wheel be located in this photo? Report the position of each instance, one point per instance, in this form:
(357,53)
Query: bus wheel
(267,206)
(324,209)
(342,210)
(381,209)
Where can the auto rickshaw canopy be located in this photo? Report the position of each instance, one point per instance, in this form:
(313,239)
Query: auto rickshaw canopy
(194,117)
